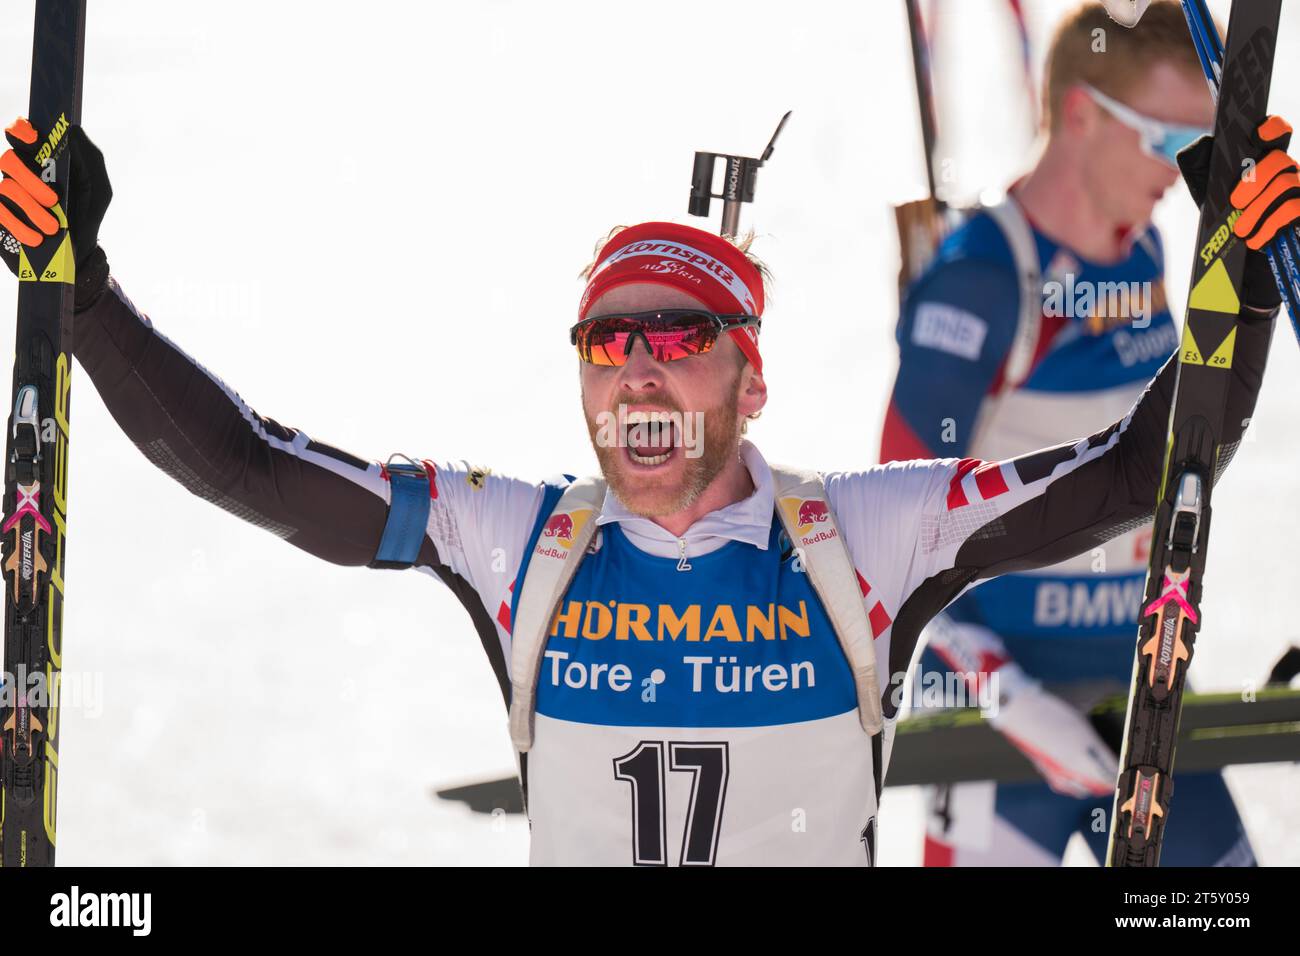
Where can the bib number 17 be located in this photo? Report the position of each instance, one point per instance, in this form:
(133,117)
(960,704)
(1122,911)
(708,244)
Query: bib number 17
(643,769)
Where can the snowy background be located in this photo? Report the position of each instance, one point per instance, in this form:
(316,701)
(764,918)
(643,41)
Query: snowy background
(334,207)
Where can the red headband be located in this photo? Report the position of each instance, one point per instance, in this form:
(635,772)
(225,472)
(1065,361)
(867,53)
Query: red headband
(683,257)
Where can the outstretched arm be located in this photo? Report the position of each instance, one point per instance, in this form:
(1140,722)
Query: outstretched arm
(317,497)
(197,429)
(1046,506)
(922,532)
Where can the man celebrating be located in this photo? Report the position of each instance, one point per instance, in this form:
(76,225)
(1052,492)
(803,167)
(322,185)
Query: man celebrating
(698,649)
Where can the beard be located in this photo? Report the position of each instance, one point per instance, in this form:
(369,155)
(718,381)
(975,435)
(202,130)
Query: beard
(655,495)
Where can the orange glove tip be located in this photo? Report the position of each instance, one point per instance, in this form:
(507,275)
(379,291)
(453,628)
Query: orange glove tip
(24,234)
(22,130)
(1273,128)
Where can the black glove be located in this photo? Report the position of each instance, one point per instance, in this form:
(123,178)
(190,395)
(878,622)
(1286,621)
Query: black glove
(23,203)
(1269,143)
(1194,164)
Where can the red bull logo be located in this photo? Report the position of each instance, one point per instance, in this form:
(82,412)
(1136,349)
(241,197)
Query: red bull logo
(810,519)
(558,526)
(813,512)
(560,531)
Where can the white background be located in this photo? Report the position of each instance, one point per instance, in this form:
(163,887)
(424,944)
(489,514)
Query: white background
(369,220)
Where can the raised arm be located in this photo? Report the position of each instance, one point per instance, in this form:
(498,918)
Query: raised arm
(1049,505)
(183,418)
(1046,506)
(922,532)
(197,429)
(464,526)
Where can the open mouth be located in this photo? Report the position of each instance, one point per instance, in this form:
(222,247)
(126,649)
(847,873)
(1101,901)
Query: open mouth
(652,438)
(645,459)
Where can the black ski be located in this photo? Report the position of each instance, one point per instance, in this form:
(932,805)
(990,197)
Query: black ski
(36,475)
(1170,616)
(1216,731)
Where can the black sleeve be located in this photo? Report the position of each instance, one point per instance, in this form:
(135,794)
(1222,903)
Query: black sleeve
(197,429)
(1115,490)
(980,519)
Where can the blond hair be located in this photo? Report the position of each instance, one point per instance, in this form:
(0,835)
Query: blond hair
(1091,48)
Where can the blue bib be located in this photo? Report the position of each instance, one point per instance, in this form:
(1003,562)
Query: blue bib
(739,640)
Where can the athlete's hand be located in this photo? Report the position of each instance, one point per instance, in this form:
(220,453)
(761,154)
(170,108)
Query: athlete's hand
(26,201)
(1268,198)
(1059,740)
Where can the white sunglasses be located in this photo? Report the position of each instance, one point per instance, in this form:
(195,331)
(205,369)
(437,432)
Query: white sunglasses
(1158,139)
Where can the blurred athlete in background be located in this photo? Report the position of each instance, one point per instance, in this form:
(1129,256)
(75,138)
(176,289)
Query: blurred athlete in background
(1041,318)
